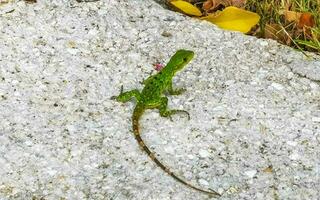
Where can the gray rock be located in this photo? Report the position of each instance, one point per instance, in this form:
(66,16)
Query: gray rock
(61,137)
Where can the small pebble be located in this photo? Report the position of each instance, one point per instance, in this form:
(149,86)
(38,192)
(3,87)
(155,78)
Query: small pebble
(316,119)
(218,132)
(294,156)
(251,173)
(290,75)
(203,153)
(203,182)
(277,86)
(264,43)
(169,150)
(292,143)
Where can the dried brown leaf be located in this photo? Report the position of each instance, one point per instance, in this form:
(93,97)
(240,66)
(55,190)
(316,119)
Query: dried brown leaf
(277,32)
(306,20)
(211,5)
(291,16)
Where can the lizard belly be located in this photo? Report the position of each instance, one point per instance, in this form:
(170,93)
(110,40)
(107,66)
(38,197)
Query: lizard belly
(151,94)
(152,102)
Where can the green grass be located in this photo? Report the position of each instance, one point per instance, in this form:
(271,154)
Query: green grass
(271,12)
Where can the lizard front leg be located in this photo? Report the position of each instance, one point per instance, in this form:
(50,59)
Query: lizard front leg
(126,96)
(145,81)
(176,91)
(164,112)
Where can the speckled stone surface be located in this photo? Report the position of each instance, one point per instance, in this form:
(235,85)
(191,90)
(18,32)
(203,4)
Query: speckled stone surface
(254,105)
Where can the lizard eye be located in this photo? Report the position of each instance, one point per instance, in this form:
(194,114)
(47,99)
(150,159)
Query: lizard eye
(185,59)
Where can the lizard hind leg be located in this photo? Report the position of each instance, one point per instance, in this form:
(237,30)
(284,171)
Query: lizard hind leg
(126,96)
(164,112)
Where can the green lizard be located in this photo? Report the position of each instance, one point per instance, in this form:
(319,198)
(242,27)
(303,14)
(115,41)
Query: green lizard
(152,97)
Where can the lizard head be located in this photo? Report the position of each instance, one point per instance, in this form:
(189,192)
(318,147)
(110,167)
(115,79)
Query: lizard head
(180,59)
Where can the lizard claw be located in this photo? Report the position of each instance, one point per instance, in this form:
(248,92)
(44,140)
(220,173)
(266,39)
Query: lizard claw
(185,112)
(172,112)
(113,97)
(188,115)
(121,89)
(170,118)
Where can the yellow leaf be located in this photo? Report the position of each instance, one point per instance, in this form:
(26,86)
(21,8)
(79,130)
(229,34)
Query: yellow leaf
(187,8)
(234,19)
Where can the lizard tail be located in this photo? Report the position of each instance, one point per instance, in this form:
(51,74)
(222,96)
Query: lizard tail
(135,124)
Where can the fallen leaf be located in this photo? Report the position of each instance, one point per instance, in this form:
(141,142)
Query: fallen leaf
(291,16)
(235,19)
(238,3)
(276,32)
(210,5)
(207,5)
(306,20)
(187,8)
